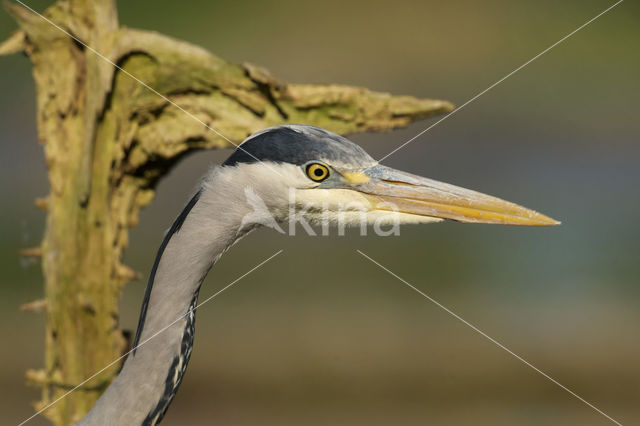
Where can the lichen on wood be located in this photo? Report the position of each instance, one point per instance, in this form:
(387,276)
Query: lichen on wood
(108,139)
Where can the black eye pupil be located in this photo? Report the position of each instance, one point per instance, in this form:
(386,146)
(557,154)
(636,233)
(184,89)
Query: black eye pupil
(317,172)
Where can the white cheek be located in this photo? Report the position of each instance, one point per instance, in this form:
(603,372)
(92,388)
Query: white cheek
(331,199)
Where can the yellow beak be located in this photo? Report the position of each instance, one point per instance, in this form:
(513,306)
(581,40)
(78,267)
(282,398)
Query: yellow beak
(393,190)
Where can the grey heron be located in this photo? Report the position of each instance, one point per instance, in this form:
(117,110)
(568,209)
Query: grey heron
(332,177)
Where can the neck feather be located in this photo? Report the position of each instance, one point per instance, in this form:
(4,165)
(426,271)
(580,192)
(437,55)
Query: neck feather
(153,371)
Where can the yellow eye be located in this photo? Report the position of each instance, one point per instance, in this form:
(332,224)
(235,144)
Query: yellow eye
(317,172)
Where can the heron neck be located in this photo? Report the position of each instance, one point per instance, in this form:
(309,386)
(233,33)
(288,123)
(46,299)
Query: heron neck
(153,371)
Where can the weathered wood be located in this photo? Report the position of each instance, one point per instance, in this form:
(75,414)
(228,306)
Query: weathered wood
(107,141)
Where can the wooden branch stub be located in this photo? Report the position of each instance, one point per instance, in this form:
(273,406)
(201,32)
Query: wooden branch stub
(36,377)
(14,44)
(126,274)
(41,203)
(39,377)
(31,252)
(34,306)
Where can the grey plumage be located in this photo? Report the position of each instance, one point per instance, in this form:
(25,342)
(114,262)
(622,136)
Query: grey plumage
(175,227)
(177,368)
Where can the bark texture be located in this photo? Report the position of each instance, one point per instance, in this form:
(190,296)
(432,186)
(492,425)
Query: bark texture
(107,141)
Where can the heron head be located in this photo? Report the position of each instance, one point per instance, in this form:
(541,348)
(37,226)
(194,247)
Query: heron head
(326,176)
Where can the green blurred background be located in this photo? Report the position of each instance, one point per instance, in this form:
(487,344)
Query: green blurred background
(322,336)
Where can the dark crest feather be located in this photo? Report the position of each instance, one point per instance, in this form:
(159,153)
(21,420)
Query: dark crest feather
(298,144)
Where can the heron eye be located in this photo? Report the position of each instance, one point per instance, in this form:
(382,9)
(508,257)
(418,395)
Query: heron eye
(317,172)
